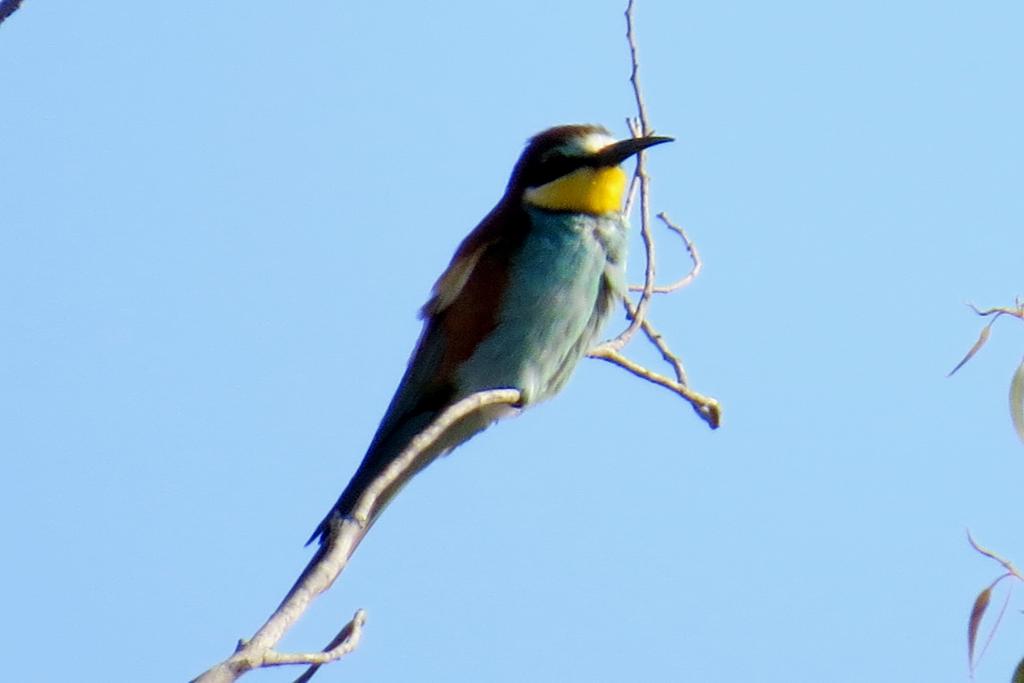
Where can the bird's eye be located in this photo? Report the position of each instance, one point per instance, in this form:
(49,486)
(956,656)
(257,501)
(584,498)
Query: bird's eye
(553,165)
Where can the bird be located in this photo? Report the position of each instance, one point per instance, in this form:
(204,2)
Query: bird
(525,295)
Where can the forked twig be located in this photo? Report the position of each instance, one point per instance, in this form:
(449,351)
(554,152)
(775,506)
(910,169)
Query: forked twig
(611,351)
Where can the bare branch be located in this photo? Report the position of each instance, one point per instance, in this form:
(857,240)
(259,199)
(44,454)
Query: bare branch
(639,128)
(708,408)
(344,534)
(611,351)
(659,342)
(341,540)
(634,74)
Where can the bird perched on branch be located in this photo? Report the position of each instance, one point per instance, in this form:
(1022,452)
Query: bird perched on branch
(522,300)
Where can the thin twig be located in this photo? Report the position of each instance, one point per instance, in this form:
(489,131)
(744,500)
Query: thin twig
(634,74)
(706,407)
(1006,564)
(611,351)
(659,342)
(1017,311)
(345,642)
(691,249)
(640,127)
(635,131)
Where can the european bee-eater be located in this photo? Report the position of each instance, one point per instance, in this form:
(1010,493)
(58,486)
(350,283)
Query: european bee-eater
(522,300)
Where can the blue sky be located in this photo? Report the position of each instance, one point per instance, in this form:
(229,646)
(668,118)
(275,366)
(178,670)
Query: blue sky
(216,226)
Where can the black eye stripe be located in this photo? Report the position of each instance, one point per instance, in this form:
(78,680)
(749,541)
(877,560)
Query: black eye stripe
(554,167)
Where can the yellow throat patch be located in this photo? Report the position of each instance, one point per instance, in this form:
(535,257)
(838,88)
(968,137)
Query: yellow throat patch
(585,190)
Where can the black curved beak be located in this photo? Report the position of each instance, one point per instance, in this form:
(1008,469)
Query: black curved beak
(615,153)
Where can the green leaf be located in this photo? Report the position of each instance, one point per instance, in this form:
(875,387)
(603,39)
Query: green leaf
(1017,401)
(1018,673)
